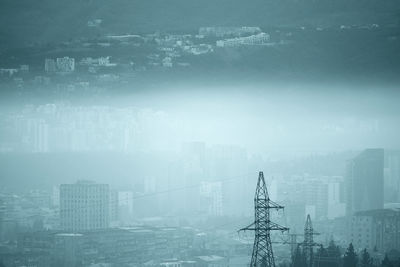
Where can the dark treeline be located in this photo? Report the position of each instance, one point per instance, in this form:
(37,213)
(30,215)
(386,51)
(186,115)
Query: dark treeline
(331,256)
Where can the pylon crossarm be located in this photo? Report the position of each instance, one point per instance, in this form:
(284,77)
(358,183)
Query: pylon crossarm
(248,228)
(275,205)
(275,226)
(313,244)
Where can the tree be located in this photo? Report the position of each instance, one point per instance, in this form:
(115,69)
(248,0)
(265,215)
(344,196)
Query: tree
(366,260)
(333,250)
(386,262)
(299,259)
(333,253)
(350,257)
(320,256)
(328,257)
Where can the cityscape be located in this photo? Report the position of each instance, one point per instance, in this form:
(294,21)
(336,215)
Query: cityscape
(199,133)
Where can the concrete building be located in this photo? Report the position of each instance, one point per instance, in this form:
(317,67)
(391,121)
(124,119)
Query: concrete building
(65,64)
(364,181)
(167,62)
(125,207)
(228,31)
(84,206)
(101,61)
(39,135)
(316,198)
(50,65)
(132,246)
(392,176)
(225,161)
(113,203)
(335,207)
(378,229)
(94,23)
(258,39)
(211,198)
(24,68)
(8,72)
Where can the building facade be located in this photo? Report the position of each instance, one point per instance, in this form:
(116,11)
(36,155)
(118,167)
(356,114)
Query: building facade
(375,230)
(364,181)
(84,206)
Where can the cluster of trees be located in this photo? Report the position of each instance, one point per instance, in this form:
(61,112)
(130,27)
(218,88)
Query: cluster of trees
(331,256)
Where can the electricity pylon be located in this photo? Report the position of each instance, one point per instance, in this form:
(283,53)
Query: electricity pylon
(263,255)
(308,243)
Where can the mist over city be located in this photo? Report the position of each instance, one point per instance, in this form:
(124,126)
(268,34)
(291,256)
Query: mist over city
(200,133)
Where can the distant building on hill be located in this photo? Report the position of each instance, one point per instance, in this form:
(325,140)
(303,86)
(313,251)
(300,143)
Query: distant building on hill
(258,39)
(65,64)
(228,31)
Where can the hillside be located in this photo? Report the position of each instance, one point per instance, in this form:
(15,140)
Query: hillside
(26,21)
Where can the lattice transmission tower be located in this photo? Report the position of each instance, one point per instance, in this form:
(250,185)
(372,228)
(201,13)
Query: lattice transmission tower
(308,243)
(263,255)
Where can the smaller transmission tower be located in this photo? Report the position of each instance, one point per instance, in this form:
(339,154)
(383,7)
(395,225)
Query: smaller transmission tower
(263,255)
(308,243)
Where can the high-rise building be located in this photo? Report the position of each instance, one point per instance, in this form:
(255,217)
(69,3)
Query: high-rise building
(335,207)
(316,198)
(193,172)
(211,198)
(2,217)
(39,135)
(392,176)
(364,178)
(125,207)
(84,206)
(113,216)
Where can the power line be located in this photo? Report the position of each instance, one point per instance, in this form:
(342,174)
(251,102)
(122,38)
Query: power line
(152,194)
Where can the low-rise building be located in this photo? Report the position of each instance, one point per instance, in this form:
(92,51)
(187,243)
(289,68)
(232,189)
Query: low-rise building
(50,65)
(258,39)
(65,64)
(228,31)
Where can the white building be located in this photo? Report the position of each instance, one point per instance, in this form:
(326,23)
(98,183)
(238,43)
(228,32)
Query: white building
(65,64)
(228,31)
(258,39)
(101,61)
